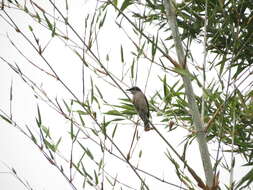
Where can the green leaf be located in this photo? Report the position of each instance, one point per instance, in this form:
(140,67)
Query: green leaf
(38,17)
(71,130)
(132,69)
(50,26)
(183,72)
(81,112)
(100,163)
(107,57)
(151,4)
(122,54)
(140,153)
(103,126)
(49,145)
(66,105)
(11,91)
(30,28)
(81,119)
(25,9)
(124,5)
(114,112)
(82,59)
(91,91)
(165,87)
(87,151)
(103,20)
(46,131)
(39,117)
(5,118)
(57,144)
(85,172)
(89,154)
(247,178)
(96,177)
(99,92)
(77,168)
(115,3)
(154,46)
(222,63)
(114,130)
(32,136)
(53,31)
(109,181)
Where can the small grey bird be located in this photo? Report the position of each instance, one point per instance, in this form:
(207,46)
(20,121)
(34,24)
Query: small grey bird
(141,105)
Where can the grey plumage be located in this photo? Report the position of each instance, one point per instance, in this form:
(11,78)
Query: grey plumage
(141,105)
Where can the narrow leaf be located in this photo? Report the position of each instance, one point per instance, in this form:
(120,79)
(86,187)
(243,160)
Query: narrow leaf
(115,3)
(39,116)
(5,118)
(50,26)
(114,112)
(114,130)
(125,4)
(122,54)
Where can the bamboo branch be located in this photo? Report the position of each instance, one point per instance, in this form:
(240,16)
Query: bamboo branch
(196,117)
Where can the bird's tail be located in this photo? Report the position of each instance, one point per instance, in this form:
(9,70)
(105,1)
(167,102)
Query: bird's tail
(147,126)
(145,120)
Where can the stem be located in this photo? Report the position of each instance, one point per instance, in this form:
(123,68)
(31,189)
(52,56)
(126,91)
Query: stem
(196,117)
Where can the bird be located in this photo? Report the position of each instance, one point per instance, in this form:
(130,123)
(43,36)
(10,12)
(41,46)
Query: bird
(140,103)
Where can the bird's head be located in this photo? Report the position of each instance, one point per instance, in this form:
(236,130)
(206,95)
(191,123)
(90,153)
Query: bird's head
(134,89)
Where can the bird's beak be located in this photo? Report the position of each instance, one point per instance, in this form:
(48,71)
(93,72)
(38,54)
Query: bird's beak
(129,91)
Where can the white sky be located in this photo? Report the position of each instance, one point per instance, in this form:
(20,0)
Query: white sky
(18,152)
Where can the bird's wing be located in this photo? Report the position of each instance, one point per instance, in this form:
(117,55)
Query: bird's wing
(147,105)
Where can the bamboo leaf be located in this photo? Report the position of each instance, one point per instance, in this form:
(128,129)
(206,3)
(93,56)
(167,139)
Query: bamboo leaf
(165,88)
(85,172)
(46,131)
(71,130)
(82,59)
(132,69)
(81,119)
(57,144)
(154,46)
(102,21)
(125,4)
(89,154)
(99,92)
(247,178)
(32,136)
(30,28)
(96,177)
(122,54)
(183,72)
(114,130)
(140,154)
(39,117)
(87,151)
(6,119)
(66,105)
(38,17)
(50,26)
(49,145)
(77,168)
(115,3)
(114,112)
(80,112)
